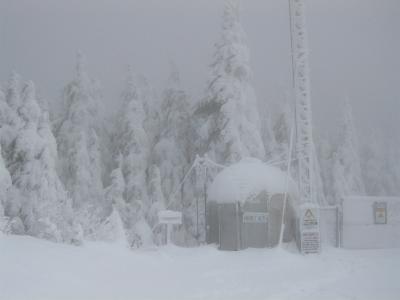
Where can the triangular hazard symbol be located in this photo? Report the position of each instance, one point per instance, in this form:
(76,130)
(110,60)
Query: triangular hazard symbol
(309,214)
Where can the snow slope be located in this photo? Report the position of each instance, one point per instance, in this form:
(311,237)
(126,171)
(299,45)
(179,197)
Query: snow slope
(35,269)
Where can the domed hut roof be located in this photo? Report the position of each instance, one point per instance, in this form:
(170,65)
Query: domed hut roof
(245,180)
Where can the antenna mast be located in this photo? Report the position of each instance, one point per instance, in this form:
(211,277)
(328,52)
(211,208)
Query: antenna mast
(301,83)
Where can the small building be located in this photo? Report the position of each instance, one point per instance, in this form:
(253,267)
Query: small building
(245,206)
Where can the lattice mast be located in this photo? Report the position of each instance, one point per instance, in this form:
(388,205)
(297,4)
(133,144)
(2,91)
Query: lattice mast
(301,83)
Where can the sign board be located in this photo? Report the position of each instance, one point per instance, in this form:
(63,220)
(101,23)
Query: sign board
(170,217)
(310,221)
(309,230)
(255,217)
(380,212)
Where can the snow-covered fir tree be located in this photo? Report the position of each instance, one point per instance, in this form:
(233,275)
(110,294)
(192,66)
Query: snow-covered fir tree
(346,160)
(133,143)
(45,209)
(5,186)
(171,152)
(378,169)
(325,154)
(114,226)
(151,107)
(79,148)
(9,128)
(228,120)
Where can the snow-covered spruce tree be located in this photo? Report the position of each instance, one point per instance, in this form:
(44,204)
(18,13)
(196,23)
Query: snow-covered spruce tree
(171,153)
(5,185)
(10,121)
(390,174)
(346,161)
(10,124)
(372,165)
(134,146)
(228,120)
(325,154)
(13,91)
(378,167)
(45,209)
(79,149)
(113,227)
(151,107)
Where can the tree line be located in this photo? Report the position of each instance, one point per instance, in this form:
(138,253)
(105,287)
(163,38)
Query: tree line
(69,175)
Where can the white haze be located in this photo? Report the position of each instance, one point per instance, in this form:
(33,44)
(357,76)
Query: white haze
(354,45)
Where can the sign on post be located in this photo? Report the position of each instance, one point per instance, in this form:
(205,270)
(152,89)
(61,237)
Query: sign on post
(380,212)
(169,218)
(309,230)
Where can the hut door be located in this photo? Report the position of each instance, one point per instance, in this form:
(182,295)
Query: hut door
(228,227)
(255,225)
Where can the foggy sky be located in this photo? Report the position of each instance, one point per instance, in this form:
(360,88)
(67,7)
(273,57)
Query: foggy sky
(355,48)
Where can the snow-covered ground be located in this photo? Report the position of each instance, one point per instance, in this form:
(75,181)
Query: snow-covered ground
(35,269)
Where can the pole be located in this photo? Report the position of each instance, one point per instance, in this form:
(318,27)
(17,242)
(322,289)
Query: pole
(290,151)
(197,218)
(205,202)
(169,230)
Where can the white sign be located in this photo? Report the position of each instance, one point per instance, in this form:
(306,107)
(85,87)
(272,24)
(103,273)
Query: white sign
(310,242)
(255,217)
(380,209)
(170,217)
(310,219)
(309,230)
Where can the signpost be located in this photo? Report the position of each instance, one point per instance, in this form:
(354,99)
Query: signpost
(169,218)
(309,230)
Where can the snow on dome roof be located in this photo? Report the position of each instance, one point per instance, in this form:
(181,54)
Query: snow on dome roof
(246,180)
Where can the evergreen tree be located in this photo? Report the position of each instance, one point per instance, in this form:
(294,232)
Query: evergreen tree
(9,128)
(5,185)
(45,208)
(171,152)
(378,169)
(151,106)
(228,120)
(13,91)
(325,153)
(79,148)
(346,166)
(134,145)
(114,228)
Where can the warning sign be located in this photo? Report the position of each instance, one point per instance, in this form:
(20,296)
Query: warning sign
(309,230)
(310,219)
(310,242)
(380,209)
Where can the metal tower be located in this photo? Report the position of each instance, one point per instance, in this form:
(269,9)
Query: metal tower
(301,83)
